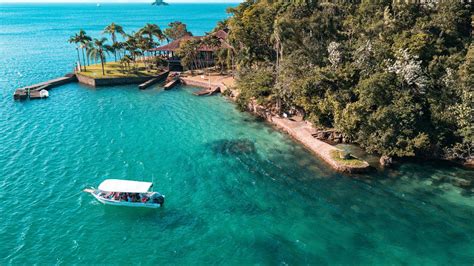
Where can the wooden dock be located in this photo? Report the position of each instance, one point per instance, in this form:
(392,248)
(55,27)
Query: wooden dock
(171,84)
(153,81)
(33,91)
(148,84)
(207,92)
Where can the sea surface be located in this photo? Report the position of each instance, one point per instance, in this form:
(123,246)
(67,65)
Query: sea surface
(237,191)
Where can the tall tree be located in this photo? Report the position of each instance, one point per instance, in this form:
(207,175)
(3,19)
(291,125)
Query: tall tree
(176,30)
(82,40)
(152,30)
(188,51)
(75,39)
(98,51)
(114,29)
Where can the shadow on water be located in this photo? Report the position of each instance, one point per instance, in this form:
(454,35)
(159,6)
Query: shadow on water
(166,218)
(276,249)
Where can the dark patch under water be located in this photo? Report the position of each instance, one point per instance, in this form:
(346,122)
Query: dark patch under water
(231,147)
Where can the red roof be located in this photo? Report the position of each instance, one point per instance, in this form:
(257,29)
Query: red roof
(221,34)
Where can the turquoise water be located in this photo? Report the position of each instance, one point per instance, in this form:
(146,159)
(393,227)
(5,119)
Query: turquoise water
(238,192)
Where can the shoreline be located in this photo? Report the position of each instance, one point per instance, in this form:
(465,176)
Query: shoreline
(298,131)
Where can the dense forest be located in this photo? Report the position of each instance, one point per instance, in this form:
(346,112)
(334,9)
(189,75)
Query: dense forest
(395,78)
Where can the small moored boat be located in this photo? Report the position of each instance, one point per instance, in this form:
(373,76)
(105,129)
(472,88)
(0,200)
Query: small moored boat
(127,193)
(44,94)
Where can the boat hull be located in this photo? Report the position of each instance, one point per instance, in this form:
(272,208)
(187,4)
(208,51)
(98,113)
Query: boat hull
(126,203)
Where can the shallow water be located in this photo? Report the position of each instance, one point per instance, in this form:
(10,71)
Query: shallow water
(237,191)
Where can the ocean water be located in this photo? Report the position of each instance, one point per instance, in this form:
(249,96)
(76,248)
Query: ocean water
(238,192)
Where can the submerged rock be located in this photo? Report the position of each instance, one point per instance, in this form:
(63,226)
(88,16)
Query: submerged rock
(461,182)
(233,147)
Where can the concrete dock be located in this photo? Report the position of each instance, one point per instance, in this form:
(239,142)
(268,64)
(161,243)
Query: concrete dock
(171,84)
(153,81)
(33,91)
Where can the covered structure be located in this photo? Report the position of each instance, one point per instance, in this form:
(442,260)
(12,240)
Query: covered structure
(206,53)
(127,186)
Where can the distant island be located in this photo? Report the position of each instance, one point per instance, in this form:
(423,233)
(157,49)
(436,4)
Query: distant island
(159,3)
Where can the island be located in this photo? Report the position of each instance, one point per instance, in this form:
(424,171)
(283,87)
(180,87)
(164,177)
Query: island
(159,3)
(395,92)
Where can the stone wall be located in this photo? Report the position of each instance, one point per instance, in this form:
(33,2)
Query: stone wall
(93,82)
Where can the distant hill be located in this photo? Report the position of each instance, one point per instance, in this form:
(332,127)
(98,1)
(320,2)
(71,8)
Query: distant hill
(159,3)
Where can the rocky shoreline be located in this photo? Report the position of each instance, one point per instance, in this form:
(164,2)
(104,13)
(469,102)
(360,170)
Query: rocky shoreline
(300,131)
(319,141)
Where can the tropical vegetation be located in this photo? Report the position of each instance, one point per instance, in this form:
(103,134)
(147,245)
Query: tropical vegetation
(395,77)
(176,30)
(128,49)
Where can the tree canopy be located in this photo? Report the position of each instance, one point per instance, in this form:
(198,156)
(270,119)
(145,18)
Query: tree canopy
(176,30)
(396,78)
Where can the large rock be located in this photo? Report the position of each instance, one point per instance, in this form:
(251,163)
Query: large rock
(386,161)
(469,163)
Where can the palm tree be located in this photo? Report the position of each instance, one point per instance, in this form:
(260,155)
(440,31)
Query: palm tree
(84,41)
(131,45)
(114,29)
(125,62)
(75,39)
(152,30)
(98,51)
(117,49)
(81,39)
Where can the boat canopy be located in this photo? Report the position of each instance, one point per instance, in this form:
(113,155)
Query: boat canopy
(116,185)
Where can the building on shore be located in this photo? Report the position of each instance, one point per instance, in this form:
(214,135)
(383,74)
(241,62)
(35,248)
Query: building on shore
(205,55)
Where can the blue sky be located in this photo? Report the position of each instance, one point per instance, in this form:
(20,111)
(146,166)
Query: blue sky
(118,1)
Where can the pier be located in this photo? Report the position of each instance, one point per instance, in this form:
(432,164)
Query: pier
(171,84)
(149,83)
(33,91)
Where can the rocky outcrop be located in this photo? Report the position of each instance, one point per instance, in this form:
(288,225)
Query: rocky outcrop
(260,110)
(330,135)
(386,161)
(469,163)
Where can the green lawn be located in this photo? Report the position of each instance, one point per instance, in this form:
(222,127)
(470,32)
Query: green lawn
(354,162)
(113,70)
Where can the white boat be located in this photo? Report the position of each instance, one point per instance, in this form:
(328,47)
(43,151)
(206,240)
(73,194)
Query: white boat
(44,94)
(127,193)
